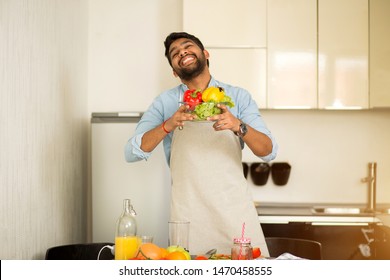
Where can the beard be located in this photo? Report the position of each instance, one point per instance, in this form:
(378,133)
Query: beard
(192,71)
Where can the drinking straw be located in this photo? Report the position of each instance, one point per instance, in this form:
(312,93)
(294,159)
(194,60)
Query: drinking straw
(242,237)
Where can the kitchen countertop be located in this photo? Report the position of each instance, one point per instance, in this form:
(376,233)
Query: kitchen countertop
(304,212)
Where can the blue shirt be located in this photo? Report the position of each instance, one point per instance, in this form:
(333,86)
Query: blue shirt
(167,103)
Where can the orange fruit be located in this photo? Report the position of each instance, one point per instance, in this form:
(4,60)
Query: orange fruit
(149,251)
(200,257)
(164,253)
(176,255)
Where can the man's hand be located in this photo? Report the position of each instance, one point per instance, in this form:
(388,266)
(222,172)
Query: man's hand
(178,118)
(225,120)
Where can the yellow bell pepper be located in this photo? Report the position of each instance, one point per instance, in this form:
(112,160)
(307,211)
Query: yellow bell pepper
(213,94)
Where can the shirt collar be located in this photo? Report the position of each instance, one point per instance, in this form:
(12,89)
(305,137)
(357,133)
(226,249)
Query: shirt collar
(212,83)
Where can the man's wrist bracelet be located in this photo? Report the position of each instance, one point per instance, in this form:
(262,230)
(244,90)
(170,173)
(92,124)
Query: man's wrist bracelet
(163,127)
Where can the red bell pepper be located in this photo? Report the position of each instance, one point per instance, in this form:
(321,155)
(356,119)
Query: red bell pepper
(192,97)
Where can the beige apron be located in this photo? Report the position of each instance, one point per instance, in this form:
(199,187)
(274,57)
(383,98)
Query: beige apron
(209,189)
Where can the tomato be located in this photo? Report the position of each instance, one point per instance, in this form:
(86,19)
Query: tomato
(201,258)
(256,252)
(176,255)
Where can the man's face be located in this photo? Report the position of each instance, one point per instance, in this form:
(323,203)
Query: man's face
(187,59)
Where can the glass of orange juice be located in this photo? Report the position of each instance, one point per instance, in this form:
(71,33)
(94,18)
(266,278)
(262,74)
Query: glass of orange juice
(126,247)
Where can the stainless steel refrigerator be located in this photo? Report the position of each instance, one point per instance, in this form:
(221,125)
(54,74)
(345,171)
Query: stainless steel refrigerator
(146,183)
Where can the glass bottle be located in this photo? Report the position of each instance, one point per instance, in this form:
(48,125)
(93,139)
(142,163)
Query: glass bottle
(242,249)
(126,240)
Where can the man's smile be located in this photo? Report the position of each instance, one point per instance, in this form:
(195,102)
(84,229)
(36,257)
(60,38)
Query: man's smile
(188,59)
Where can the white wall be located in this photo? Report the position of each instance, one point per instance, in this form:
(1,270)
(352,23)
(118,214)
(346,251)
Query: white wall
(329,152)
(43,125)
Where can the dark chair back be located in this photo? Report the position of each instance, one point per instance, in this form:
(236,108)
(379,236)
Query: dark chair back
(303,248)
(87,251)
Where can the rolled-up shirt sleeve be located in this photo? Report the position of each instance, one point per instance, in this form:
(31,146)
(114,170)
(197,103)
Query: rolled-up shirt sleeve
(133,151)
(274,152)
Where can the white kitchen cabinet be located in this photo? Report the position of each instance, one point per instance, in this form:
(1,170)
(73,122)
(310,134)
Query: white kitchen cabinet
(379,53)
(245,68)
(343,54)
(292,53)
(226,23)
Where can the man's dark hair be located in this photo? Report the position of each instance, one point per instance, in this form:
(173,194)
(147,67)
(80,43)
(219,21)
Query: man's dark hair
(178,35)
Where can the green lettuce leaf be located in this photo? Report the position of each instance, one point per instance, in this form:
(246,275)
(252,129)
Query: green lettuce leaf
(206,109)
